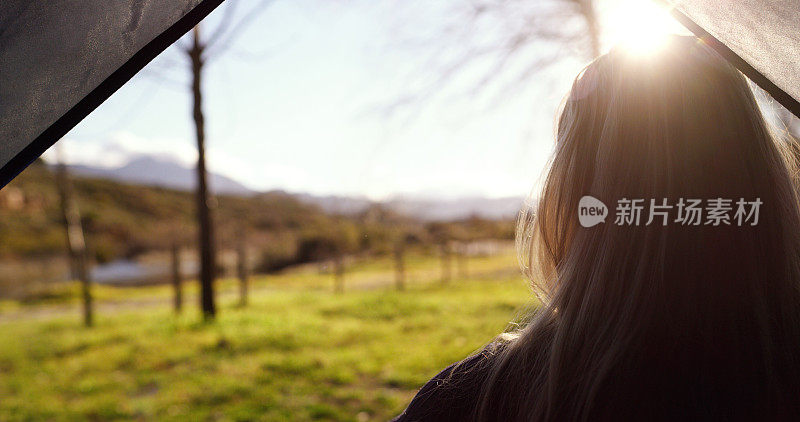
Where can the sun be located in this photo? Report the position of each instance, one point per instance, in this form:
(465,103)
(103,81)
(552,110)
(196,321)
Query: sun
(639,25)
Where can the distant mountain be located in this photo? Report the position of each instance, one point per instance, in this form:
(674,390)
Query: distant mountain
(332,204)
(458,208)
(424,208)
(164,172)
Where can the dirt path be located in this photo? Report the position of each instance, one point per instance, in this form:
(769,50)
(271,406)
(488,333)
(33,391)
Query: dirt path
(41,312)
(229,294)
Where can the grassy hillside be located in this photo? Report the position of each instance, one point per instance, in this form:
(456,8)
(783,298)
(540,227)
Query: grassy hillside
(298,352)
(124,220)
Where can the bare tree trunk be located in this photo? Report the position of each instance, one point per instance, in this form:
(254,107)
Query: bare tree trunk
(400,266)
(177,280)
(76,244)
(206,239)
(446,270)
(338,273)
(461,261)
(242,272)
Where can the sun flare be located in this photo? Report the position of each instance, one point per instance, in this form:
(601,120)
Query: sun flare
(639,25)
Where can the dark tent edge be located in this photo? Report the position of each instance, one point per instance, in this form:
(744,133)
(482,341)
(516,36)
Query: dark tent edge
(104,90)
(776,92)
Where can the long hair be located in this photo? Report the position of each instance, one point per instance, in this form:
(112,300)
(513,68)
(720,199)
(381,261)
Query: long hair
(652,321)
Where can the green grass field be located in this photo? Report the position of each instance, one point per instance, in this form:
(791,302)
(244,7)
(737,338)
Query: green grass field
(297,352)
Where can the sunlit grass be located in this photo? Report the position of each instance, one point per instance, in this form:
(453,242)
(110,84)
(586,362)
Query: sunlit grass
(298,352)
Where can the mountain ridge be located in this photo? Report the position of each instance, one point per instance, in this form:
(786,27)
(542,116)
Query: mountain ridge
(151,170)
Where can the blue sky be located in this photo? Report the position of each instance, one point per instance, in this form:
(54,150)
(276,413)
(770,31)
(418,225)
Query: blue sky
(301,102)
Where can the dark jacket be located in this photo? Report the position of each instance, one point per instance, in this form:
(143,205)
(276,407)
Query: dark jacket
(453,394)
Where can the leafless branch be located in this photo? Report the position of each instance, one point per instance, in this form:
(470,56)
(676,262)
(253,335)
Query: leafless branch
(224,23)
(227,32)
(559,25)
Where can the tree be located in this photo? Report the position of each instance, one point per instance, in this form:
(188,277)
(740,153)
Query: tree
(563,24)
(403,237)
(526,38)
(400,265)
(204,217)
(242,269)
(462,258)
(460,236)
(442,235)
(332,242)
(199,51)
(177,278)
(76,244)
(387,232)
(446,254)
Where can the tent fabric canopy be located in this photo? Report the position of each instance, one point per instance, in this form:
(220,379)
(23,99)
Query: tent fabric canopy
(60,59)
(760,37)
